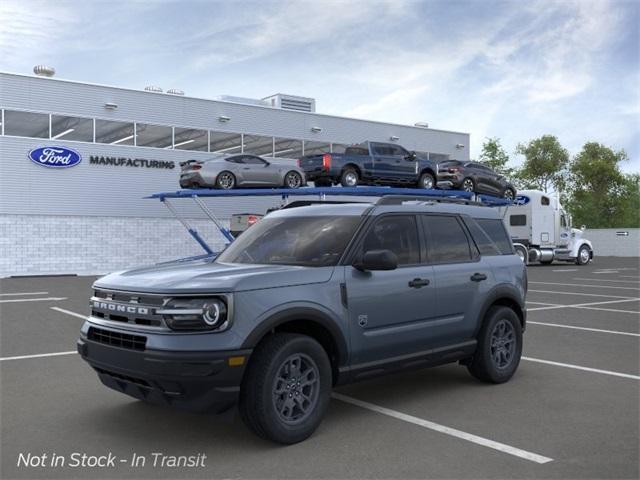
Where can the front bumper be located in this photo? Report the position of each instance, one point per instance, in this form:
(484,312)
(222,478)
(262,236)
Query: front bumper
(193,381)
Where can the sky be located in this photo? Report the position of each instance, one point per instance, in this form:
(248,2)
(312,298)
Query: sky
(509,69)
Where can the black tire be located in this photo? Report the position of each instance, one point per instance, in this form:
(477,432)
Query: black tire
(427,181)
(349,177)
(468,185)
(292,180)
(225,180)
(259,388)
(486,362)
(584,255)
(509,194)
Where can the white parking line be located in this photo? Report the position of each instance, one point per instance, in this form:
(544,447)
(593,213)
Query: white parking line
(580,294)
(588,286)
(606,280)
(628,276)
(598,330)
(583,305)
(47,299)
(566,270)
(540,303)
(633,312)
(40,355)
(517,452)
(68,312)
(22,293)
(579,367)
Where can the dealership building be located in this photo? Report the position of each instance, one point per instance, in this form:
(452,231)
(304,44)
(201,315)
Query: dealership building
(91,217)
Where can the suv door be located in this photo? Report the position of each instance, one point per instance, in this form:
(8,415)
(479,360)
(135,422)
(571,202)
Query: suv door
(462,277)
(390,312)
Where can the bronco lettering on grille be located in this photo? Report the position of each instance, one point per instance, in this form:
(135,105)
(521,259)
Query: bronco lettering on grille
(115,307)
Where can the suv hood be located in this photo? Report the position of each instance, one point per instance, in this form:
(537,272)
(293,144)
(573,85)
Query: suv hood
(204,276)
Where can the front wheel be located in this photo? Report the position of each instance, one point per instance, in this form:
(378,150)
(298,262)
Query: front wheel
(427,181)
(509,194)
(584,255)
(293,180)
(468,185)
(285,391)
(499,346)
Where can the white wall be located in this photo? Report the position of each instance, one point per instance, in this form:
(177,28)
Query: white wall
(607,243)
(56,244)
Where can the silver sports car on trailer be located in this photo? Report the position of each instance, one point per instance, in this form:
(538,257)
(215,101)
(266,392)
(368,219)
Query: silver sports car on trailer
(243,170)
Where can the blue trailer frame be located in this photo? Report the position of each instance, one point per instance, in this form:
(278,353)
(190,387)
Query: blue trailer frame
(197,194)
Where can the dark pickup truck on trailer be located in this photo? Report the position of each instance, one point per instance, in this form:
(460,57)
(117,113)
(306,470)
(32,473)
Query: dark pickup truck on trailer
(370,163)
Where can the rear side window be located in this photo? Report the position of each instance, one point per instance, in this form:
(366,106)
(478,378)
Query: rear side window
(494,228)
(356,151)
(518,220)
(398,234)
(447,242)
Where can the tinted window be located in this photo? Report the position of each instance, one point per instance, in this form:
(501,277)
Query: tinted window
(304,241)
(114,133)
(252,160)
(544,201)
(381,149)
(518,220)
(72,128)
(398,234)
(357,151)
(481,238)
(237,159)
(26,124)
(494,228)
(447,241)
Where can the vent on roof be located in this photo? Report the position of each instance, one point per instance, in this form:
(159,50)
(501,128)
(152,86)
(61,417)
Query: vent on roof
(175,91)
(153,88)
(291,102)
(44,71)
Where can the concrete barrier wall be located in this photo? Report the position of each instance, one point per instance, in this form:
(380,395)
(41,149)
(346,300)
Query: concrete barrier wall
(610,242)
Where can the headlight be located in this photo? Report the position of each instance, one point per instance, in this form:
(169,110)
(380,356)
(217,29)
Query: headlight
(196,314)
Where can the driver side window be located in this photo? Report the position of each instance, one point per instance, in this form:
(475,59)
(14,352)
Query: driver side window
(398,234)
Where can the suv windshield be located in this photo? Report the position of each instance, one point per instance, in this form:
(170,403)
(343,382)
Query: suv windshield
(305,241)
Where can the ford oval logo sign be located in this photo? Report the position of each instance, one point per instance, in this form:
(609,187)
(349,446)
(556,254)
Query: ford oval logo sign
(55,157)
(521,200)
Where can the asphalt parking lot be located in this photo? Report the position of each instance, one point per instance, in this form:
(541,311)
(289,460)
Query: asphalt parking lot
(571,411)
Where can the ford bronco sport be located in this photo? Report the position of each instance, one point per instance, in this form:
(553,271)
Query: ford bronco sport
(310,298)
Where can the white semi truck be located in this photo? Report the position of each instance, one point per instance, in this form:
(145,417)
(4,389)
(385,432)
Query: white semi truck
(541,230)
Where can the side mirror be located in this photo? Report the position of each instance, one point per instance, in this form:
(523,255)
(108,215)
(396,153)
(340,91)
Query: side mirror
(412,156)
(377,260)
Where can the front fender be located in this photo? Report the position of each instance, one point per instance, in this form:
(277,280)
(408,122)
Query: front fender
(300,311)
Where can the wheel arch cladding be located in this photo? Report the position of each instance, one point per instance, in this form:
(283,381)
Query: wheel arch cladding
(428,170)
(306,321)
(354,167)
(503,296)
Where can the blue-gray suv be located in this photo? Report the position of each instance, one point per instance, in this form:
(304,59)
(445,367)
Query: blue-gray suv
(310,298)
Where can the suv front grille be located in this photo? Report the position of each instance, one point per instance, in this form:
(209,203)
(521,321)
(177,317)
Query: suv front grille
(131,308)
(117,339)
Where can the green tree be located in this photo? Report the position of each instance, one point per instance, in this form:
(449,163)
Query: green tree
(545,164)
(600,195)
(495,157)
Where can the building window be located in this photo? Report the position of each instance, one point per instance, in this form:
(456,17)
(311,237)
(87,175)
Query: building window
(158,136)
(225,143)
(316,148)
(438,157)
(114,133)
(190,139)
(71,128)
(287,148)
(258,145)
(26,124)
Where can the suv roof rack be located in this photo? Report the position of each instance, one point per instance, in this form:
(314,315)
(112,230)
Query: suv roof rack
(399,199)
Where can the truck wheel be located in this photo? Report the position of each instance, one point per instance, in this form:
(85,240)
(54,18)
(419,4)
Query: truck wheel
(226,180)
(468,185)
(522,252)
(499,346)
(285,391)
(584,255)
(349,178)
(427,181)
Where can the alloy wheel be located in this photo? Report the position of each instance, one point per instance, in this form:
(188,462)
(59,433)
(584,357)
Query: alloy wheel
(296,388)
(226,181)
(351,179)
(503,344)
(293,180)
(467,185)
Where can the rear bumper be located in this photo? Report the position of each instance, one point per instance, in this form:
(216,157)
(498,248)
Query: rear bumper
(192,179)
(449,181)
(193,381)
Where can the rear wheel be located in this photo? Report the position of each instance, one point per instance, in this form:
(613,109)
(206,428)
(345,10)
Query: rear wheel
(349,178)
(584,255)
(499,346)
(427,181)
(468,185)
(509,193)
(285,391)
(293,180)
(226,180)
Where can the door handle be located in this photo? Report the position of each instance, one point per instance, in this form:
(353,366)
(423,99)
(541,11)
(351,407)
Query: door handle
(478,277)
(247,168)
(418,282)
